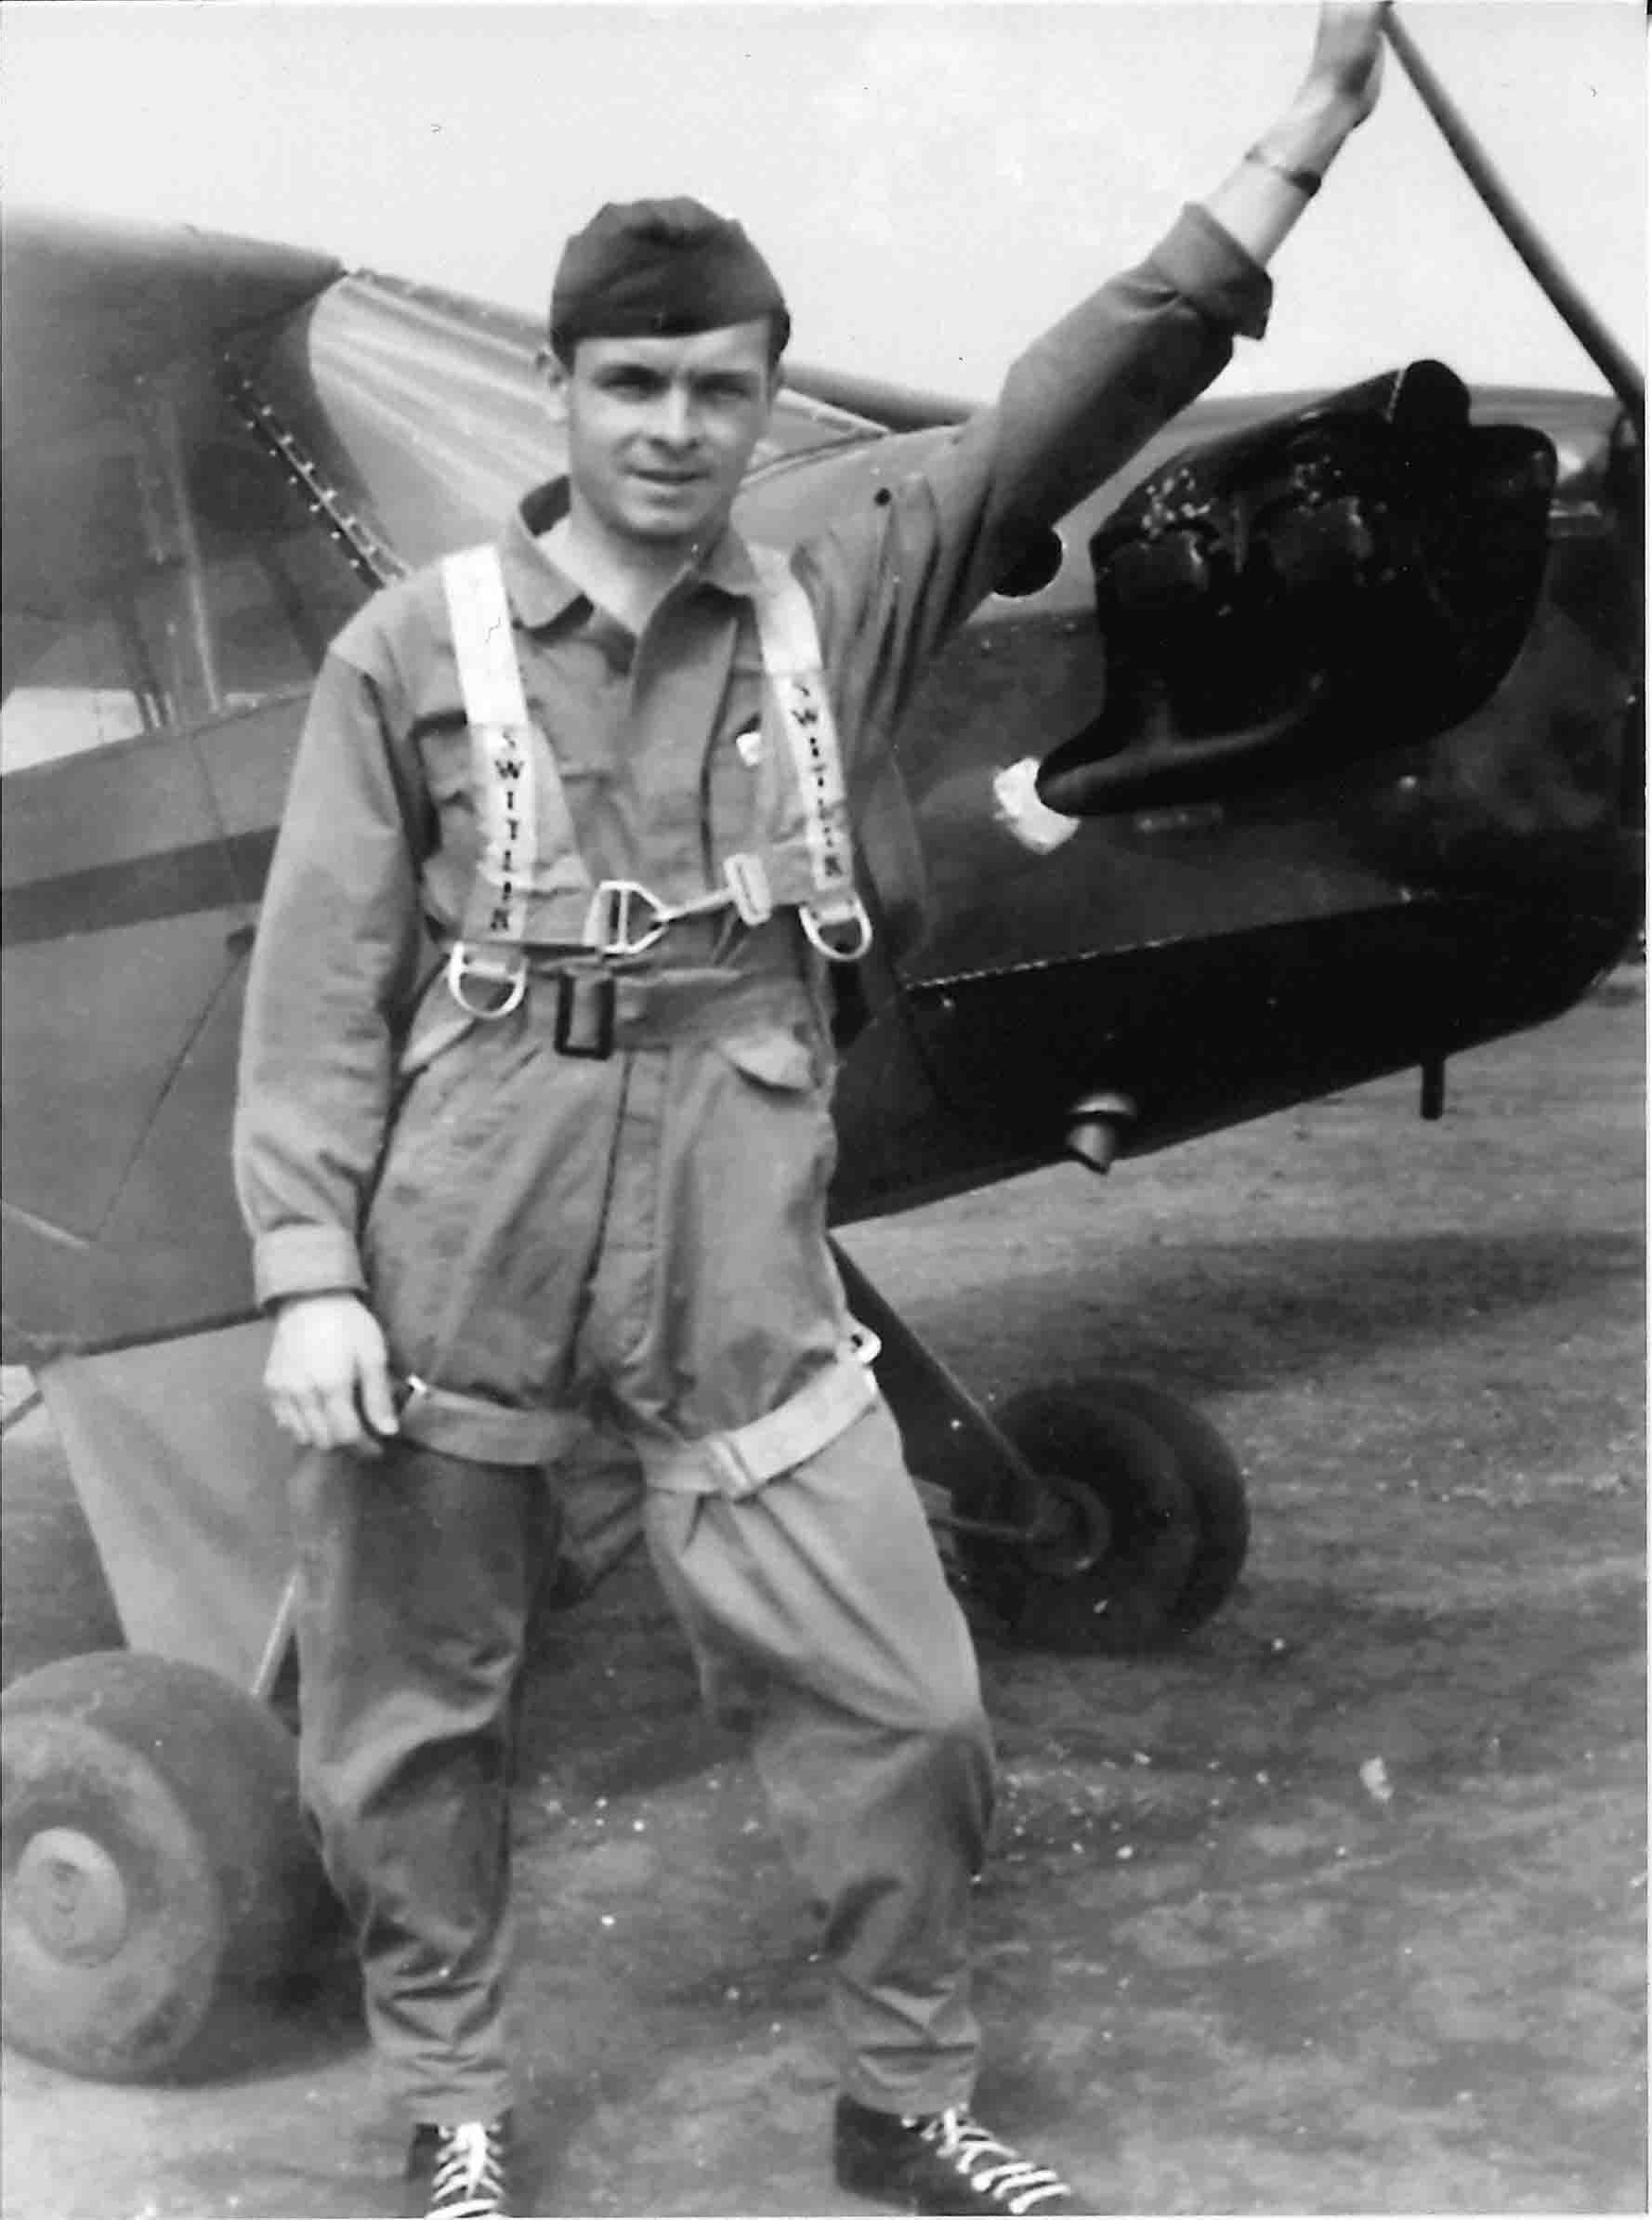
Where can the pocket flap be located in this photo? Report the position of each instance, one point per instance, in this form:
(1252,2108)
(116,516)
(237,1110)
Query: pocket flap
(440,1025)
(774,1057)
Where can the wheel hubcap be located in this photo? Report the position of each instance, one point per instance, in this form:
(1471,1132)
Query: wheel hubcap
(1074,1530)
(70,1891)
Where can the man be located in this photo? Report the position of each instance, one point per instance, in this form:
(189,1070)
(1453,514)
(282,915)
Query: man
(583,1166)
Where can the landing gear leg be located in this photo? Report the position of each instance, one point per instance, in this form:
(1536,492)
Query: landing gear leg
(1105,1516)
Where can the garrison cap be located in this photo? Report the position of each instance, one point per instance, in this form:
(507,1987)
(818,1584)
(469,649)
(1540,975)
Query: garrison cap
(659,270)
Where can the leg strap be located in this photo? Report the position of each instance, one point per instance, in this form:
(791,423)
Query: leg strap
(740,1462)
(469,1425)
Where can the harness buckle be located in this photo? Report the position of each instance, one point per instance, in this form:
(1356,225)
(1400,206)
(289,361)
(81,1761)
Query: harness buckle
(748,889)
(466,964)
(585,1006)
(850,917)
(610,922)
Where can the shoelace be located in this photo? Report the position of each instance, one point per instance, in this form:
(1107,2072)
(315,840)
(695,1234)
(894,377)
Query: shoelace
(468,2180)
(989,2166)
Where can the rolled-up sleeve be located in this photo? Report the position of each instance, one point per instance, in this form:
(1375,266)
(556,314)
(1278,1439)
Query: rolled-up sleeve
(893,581)
(336,957)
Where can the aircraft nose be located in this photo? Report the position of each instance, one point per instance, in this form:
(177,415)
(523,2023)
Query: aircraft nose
(1331,582)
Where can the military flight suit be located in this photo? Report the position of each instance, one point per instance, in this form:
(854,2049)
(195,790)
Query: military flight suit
(644,1233)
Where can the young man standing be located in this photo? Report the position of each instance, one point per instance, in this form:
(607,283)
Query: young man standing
(609,767)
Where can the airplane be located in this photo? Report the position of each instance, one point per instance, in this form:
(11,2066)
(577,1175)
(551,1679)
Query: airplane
(1309,748)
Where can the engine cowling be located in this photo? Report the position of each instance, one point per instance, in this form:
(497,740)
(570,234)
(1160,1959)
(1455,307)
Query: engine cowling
(1352,578)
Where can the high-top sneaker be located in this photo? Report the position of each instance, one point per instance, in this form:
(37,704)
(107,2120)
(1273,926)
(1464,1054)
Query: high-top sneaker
(942,2162)
(460,2173)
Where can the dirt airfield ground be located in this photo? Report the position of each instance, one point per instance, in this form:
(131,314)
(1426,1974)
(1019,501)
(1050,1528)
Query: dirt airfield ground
(1340,1907)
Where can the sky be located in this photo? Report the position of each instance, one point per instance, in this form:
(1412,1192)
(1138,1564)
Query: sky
(933,181)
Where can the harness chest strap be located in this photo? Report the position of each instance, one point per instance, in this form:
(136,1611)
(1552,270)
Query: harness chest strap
(529,866)
(791,663)
(502,779)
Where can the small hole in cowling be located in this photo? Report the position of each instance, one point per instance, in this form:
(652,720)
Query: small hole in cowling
(1033,566)
(882,497)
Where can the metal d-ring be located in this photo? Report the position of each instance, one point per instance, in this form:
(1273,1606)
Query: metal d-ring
(462,966)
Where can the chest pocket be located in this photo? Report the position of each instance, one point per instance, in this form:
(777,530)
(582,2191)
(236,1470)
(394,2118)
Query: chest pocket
(578,744)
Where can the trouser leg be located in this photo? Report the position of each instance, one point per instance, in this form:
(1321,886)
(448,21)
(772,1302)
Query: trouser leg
(415,1574)
(821,1621)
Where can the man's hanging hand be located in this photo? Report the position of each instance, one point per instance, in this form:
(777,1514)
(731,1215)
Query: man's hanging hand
(328,1378)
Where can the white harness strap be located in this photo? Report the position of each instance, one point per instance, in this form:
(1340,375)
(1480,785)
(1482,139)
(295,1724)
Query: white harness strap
(528,854)
(469,1425)
(514,798)
(835,921)
(746,1458)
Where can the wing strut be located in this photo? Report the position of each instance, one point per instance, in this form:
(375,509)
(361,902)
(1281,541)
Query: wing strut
(1611,360)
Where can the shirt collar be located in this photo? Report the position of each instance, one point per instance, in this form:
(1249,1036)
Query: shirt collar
(540,592)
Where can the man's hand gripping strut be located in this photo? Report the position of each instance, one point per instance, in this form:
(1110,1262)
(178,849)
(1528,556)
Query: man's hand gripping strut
(1347,58)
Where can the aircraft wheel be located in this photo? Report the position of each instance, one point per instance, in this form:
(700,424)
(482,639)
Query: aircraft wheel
(155,1864)
(1213,1471)
(1141,1510)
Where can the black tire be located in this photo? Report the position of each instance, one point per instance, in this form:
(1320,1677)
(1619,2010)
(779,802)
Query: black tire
(1091,1451)
(1212,1472)
(156,1867)
(1163,1484)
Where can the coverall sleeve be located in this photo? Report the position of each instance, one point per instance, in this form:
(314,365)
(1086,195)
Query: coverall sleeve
(337,958)
(893,582)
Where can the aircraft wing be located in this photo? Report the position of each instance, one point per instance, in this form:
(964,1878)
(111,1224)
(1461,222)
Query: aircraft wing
(214,449)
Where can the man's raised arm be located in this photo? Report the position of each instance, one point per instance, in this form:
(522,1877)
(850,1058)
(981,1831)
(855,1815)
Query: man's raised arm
(1261,201)
(1082,399)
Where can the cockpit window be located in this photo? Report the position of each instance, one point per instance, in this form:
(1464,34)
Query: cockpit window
(160,573)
